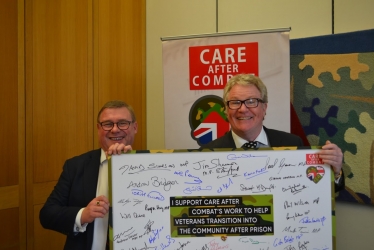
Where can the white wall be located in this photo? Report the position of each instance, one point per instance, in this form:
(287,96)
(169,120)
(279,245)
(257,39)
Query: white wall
(355,223)
(169,18)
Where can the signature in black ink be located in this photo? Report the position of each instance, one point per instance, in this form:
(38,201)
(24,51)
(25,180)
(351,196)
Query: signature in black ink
(148,227)
(289,229)
(295,188)
(302,246)
(244,188)
(154,166)
(261,188)
(138,184)
(224,171)
(156,182)
(124,202)
(281,164)
(151,209)
(132,169)
(136,201)
(143,248)
(182,245)
(216,163)
(288,216)
(124,233)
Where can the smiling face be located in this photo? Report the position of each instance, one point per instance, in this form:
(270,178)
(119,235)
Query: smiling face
(116,135)
(246,122)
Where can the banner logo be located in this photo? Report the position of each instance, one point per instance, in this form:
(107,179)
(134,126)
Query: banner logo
(312,159)
(212,66)
(208,120)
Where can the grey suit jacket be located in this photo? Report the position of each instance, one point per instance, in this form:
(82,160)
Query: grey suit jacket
(75,188)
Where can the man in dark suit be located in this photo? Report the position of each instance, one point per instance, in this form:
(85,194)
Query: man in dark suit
(245,97)
(78,206)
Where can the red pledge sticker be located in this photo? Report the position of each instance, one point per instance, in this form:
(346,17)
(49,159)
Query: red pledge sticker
(312,159)
(212,66)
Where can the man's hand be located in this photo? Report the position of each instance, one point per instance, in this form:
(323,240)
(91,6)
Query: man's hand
(97,208)
(117,149)
(332,155)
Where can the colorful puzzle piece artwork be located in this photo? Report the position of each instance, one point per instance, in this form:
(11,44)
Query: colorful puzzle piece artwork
(333,96)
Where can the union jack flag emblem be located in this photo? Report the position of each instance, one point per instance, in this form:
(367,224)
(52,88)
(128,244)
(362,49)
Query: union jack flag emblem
(208,119)
(315,174)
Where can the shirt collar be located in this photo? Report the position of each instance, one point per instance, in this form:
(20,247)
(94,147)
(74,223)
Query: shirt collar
(102,156)
(261,138)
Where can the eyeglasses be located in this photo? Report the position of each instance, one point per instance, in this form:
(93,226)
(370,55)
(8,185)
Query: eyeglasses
(122,125)
(249,103)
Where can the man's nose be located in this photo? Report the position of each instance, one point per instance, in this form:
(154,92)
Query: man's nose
(115,127)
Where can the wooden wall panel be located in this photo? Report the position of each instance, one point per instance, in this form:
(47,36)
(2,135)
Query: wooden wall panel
(9,230)
(46,239)
(11,180)
(64,45)
(120,57)
(41,191)
(59,85)
(8,93)
(9,197)
(59,100)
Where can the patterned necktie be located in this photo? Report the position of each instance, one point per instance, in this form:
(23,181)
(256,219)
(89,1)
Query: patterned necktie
(251,144)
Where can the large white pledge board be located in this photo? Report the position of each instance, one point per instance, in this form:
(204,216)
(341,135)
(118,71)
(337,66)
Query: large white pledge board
(215,200)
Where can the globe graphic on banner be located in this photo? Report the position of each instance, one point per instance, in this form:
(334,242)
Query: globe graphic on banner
(208,120)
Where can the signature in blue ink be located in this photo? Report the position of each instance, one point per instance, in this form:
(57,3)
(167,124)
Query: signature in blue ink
(155,235)
(225,186)
(138,192)
(307,220)
(286,240)
(189,190)
(196,180)
(163,246)
(249,175)
(234,157)
(153,194)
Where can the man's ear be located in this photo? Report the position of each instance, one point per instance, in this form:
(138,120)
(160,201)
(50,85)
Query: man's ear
(136,127)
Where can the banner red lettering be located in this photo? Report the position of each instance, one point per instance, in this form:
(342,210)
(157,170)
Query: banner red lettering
(212,66)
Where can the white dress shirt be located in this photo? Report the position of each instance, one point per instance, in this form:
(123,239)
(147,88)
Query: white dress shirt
(101,224)
(261,138)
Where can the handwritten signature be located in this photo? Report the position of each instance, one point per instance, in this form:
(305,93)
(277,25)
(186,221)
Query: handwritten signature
(153,194)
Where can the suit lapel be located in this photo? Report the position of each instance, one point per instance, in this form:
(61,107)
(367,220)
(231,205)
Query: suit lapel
(275,141)
(90,177)
(91,174)
(229,140)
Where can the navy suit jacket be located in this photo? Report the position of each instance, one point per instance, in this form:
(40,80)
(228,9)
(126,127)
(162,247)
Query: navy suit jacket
(276,139)
(75,188)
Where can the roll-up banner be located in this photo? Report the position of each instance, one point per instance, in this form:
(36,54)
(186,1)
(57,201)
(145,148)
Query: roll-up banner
(196,69)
